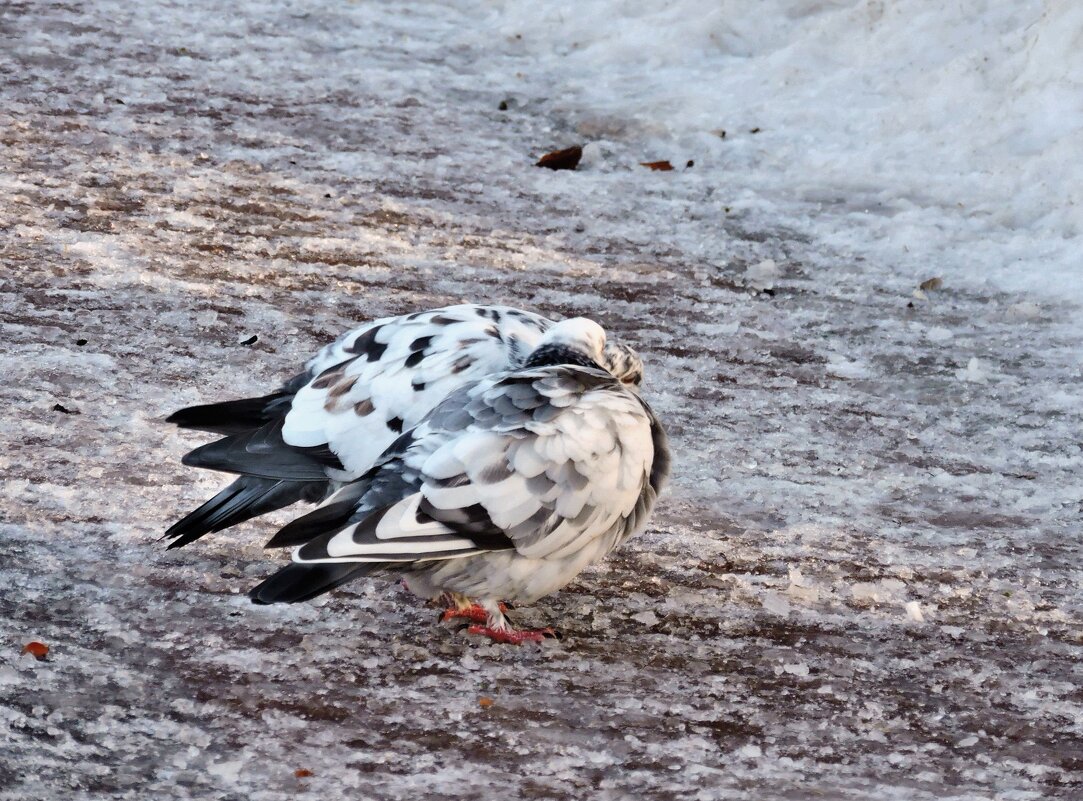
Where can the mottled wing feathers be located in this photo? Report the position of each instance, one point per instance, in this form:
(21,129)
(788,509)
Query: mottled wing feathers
(371,340)
(384,378)
(402,532)
(542,461)
(557,457)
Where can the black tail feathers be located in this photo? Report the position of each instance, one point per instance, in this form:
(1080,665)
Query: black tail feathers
(233,417)
(263,452)
(245,498)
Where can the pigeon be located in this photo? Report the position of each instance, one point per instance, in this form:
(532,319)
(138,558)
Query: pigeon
(506,490)
(327,425)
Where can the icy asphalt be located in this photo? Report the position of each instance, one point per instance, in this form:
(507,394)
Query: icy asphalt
(864,582)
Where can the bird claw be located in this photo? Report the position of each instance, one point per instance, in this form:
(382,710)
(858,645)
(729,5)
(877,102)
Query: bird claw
(511,636)
(473,613)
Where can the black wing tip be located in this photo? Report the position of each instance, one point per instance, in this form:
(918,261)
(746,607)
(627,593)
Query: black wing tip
(323,521)
(193,457)
(263,453)
(213,456)
(298,582)
(185,532)
(283,538)
(192,416)
(299,531)
(272,590)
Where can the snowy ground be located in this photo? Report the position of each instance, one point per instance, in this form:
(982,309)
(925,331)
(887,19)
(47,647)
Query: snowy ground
(865,581)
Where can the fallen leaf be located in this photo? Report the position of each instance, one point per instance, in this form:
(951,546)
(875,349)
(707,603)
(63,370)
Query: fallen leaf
(658,166)
(303,773)
(485,703)
(566,159)
(931,284)
(38,650)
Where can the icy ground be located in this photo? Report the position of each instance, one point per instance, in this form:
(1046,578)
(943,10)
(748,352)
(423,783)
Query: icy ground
(864,582)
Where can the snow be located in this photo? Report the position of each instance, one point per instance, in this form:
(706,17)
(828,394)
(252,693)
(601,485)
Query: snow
(776,604)
(913,611)
(870,552)
(797,669)
(941,137)
(763,274)
(975,372)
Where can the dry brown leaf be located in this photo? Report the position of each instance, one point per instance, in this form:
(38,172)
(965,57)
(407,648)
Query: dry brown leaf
(659,166)
(38,650)
(485,703)
(566,159)
(303,773)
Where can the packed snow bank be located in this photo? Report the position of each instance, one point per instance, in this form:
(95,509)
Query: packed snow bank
(943,137)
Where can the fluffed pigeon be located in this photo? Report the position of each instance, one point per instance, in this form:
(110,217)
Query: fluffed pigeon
(506,490)
(328,424)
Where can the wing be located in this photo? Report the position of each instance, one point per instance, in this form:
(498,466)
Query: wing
(384,378)
(559,458)
(352,399)
(545,461)
(376,520)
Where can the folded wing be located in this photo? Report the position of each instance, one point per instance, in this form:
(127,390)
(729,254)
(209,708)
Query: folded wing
(384,378)
(331,422)
(544,462)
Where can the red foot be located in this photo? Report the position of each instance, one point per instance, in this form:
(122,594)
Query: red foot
(511,636)
(474,613)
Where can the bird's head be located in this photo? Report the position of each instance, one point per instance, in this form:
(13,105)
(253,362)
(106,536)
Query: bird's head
(576,341)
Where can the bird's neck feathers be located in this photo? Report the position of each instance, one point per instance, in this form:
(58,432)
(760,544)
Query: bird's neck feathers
(559,353)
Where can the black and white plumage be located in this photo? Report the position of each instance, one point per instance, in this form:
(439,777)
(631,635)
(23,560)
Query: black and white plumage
(329,424)
(506,490)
